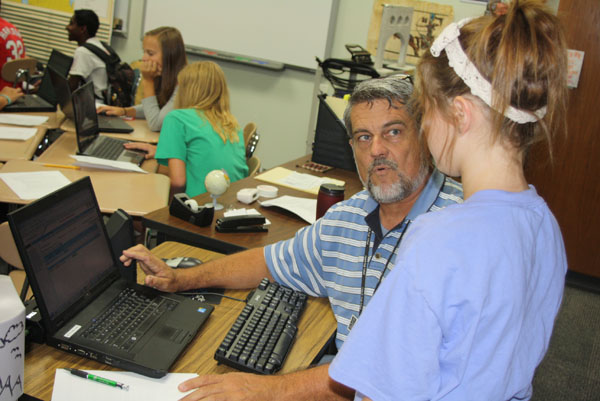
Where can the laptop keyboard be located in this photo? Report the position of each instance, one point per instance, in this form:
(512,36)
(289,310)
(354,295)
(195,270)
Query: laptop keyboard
(127,319)
(263,333)
(109,149)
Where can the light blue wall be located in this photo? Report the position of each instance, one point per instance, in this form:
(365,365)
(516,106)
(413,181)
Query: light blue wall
(280,103)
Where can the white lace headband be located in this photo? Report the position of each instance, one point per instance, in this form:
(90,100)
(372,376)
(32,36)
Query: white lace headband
(466,70)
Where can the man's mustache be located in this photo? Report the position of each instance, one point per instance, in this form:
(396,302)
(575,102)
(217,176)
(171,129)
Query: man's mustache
(383,162)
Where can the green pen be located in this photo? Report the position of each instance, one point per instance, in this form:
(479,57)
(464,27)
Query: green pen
(98,379)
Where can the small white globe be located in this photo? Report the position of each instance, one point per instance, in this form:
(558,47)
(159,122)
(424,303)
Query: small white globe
(216,182)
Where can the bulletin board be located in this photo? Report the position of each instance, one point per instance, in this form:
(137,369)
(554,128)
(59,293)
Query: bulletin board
(428,21)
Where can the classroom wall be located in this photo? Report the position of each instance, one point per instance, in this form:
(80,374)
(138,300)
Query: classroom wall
(280,102)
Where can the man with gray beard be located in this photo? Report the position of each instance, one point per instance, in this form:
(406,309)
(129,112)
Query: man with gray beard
(344,255)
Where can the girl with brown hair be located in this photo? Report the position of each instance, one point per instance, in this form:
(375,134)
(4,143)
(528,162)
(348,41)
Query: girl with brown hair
(164,57)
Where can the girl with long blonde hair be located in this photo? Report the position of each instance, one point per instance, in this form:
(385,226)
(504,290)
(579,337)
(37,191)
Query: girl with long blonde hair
(201,134)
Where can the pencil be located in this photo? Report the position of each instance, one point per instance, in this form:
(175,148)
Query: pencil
(63,166)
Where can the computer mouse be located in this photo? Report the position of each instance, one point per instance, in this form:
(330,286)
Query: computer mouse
(182,262)
(103,113)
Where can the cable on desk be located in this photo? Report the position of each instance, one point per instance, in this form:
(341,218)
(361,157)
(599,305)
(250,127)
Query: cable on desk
(211,293)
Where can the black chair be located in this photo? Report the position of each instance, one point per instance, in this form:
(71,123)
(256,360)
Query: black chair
(344,75)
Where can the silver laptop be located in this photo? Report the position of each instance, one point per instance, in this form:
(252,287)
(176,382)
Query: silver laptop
(87,307)
(89,140)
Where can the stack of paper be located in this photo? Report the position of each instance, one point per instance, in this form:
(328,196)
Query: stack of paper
(70,387)
(96,162)
(17,133)
(292,179)
(22,119)
(36,184)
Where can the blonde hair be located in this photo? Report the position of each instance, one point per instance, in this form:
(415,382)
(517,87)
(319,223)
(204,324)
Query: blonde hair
(523,55)
(202,86)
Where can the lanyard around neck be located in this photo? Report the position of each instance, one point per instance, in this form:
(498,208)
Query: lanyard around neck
(366,261)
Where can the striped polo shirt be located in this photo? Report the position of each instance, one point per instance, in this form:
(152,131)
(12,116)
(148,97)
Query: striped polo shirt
(327,258)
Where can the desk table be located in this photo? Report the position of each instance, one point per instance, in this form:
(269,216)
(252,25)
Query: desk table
(315,328)
(66,145)
(21,150)
(283,224)
(136,193)
(141,131)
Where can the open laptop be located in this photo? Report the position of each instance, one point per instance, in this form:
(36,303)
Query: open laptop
(67,256)
(62,88)
(45,99)
(89,140)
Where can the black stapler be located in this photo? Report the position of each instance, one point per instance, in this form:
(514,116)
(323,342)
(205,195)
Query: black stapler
(187,209)
(241,224)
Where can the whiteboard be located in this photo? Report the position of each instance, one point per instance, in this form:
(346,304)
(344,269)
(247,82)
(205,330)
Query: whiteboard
(292,32)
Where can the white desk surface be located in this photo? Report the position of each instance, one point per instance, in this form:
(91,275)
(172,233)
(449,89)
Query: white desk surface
(136,193)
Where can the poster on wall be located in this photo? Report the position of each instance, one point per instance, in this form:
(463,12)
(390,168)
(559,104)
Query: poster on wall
(428,21)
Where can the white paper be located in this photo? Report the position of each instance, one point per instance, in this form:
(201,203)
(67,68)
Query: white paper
(34,185)
(304,208)
(68,387)
(17,133)
(96,162)
(303,181)
(22,119)
(575,63)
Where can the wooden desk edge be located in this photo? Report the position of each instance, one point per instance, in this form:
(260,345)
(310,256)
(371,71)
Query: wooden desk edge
(317,323)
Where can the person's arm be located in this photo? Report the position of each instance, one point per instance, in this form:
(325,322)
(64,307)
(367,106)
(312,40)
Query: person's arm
(9,95)
(154,114)
(143,146)
(310,384)
(117,111)
(75,81)
(177,176)
(241,270)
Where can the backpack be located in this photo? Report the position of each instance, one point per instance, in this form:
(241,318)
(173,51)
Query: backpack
(120,76)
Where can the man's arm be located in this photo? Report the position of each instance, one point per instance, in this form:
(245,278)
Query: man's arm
(75,81)
(310,384)
(241,270)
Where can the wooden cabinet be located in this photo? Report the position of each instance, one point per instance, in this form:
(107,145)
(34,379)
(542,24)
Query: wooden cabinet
(571,185)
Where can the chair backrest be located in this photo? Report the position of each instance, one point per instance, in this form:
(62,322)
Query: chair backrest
(138,90)
(253,165)
(8,250)
(11,68)
(251,144)
(249,130)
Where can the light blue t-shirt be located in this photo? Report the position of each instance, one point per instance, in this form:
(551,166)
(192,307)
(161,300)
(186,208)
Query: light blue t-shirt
(327,258)
(468,311)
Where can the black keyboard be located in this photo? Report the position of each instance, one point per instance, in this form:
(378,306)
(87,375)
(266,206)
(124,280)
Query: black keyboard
(127,319)
(263,333)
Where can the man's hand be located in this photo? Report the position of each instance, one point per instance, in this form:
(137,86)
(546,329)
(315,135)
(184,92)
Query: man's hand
(232,387)
(143,146)
(310,384)
(159,275)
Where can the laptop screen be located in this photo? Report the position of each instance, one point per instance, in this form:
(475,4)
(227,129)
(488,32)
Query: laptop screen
(62,90)
(67,252)
(86,119)
(61,64)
